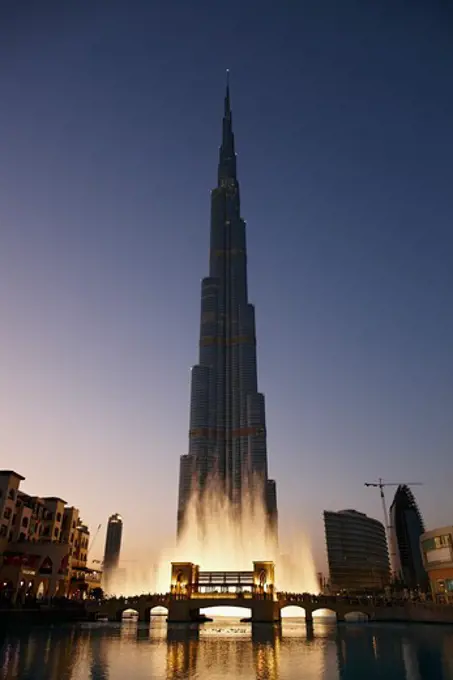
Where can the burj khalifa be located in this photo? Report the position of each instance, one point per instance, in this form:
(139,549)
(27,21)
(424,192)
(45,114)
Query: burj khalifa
(227,435)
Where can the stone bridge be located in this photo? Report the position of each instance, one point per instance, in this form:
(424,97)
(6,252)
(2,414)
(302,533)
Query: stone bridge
(114,607)
(192,590)
(266,609)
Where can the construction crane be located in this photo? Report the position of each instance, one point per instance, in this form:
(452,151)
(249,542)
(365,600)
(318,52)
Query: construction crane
(380,484)
(94,539)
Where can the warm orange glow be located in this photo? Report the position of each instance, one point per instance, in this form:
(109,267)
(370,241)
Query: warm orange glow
(217,540)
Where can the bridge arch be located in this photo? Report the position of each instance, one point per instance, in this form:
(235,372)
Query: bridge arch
(323,612)
(292,610)
(127,613)
(231,610)
(153,610)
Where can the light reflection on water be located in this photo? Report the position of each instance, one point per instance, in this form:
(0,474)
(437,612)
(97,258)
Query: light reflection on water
(229,649)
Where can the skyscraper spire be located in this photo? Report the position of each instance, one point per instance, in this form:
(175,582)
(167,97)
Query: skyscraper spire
(227,157)
(227,94)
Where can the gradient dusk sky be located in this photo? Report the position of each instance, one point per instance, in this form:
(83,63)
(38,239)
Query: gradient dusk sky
(110,122)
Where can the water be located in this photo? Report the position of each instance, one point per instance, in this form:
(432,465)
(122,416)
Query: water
(226,649)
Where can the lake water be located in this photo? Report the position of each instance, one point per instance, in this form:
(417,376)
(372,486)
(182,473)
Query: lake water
(227,649)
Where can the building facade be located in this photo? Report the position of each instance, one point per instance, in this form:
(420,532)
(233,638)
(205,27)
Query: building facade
(406,527)
(436,548)
(356,551)
(43,546)
(227,435)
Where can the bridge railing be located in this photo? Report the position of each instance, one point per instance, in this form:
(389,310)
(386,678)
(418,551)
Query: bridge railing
(216,595)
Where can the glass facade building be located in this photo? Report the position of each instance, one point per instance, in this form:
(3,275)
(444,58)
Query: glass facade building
(356,551)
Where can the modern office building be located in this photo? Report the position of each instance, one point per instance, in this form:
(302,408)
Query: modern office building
(406,527)
(113,543)
(227,436)
(437,555)
(356,551)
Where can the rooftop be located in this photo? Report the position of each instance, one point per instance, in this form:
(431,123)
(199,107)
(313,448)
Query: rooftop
(11,473)
(54,498)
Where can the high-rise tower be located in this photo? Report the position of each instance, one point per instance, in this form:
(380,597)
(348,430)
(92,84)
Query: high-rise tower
(112,544)
(227,436)
(407,526)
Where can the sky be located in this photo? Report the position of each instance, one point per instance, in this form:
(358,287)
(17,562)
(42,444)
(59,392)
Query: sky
(110,122)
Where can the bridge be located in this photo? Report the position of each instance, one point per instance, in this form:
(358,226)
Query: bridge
(192,590)
(184,609)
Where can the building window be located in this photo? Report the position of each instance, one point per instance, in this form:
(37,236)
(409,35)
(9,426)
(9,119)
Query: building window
(58,516)
(22,536)
(11,494)
(14,519)
(7,513)
(3,530)
(55,533)
(72,537)
(46,531)
(73,525)
(442,541)
(25,522)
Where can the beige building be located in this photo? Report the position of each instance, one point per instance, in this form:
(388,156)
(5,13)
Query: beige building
(437,554)
(43,546)
(9,486)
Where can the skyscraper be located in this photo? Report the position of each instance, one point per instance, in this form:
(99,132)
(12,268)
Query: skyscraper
(227,435)
(113,543)
(356,551)
(407,526)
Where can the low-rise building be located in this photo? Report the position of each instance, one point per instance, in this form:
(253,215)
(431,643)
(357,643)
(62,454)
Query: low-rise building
(9,486)
(43,546)
(437,554)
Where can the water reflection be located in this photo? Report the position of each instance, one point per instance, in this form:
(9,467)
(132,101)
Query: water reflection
(361,650)
(99,658)
(322,651)
(182,652)
(266,649)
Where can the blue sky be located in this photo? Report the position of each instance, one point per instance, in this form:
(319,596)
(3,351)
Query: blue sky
(110,123)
